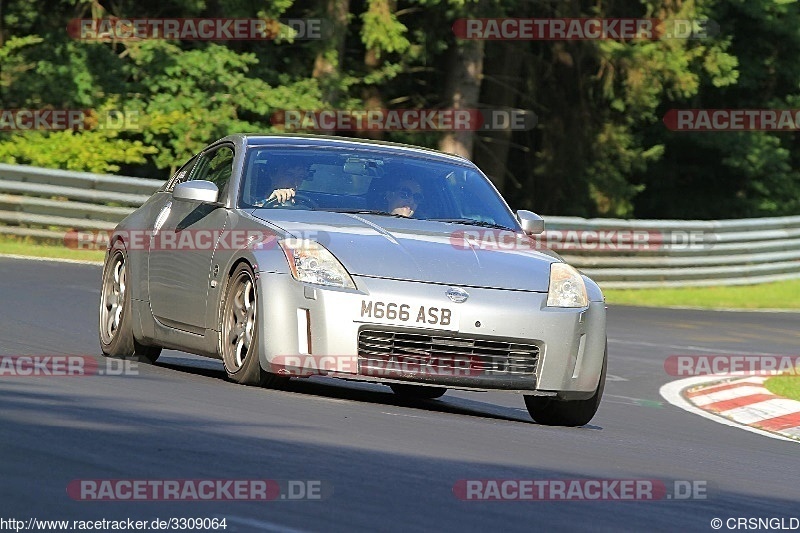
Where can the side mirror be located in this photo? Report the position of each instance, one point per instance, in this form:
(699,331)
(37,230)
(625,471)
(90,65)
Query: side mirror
(200,191)
(531,223)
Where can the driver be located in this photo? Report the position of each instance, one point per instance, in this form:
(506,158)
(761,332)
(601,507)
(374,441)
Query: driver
(404,198)
(285,176)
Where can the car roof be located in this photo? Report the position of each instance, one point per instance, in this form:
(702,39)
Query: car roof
(293,139)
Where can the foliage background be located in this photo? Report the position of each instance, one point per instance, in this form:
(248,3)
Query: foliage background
(600,148)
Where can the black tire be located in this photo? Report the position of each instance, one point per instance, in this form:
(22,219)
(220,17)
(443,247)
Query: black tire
(114,327)
(418,392)
(239,331)
(571,413)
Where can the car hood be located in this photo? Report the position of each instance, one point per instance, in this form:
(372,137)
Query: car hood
(415,250)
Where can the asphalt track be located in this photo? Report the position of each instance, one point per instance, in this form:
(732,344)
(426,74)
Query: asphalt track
(391,465)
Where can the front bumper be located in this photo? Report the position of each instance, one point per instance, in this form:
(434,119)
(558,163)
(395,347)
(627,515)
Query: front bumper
(302,322)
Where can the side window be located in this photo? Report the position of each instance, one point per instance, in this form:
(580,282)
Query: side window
(215,166)
(180,176)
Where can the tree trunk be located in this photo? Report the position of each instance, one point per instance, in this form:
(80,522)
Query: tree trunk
(2,22)
(372,95)
(502,85)
(463,92)
(328,63)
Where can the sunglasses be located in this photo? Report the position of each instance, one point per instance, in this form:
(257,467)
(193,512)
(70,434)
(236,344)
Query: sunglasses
(407,194)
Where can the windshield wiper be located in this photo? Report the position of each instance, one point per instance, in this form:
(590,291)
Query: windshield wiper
(360,212)
(470,222)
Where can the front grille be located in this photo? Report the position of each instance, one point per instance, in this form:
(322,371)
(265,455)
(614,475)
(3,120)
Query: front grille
(383,349)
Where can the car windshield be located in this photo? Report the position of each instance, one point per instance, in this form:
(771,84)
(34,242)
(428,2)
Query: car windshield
(372,183)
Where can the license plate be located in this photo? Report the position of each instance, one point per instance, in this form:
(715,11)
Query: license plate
(402,314)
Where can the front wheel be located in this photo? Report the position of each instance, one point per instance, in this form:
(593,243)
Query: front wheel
(239,331)
(417,392)
(116,331)
(554,412)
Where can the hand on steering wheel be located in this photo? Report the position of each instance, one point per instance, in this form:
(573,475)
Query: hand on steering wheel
(281,196)
(289,198)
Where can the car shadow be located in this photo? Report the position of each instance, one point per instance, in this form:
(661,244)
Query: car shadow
(363,392)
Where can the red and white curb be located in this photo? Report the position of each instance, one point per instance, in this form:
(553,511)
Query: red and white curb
(744,403)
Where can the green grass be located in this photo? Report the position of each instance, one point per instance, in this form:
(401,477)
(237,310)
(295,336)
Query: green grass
(778,295)
(786,386)
(24,246)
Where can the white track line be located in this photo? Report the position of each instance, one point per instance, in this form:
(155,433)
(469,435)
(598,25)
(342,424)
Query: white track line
(672,393)
(690,348)
(52,259)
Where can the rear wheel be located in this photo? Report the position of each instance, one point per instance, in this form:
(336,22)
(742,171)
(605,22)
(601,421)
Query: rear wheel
(116,331)
(418,392)
(554,412)
(239,331)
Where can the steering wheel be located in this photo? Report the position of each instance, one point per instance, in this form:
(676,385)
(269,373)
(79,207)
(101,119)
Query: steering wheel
(301,201)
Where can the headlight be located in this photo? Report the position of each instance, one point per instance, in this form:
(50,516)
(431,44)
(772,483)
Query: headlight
(566,287)
(311,262)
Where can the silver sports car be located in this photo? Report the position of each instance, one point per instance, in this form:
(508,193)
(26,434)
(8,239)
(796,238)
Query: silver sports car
(295,256)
